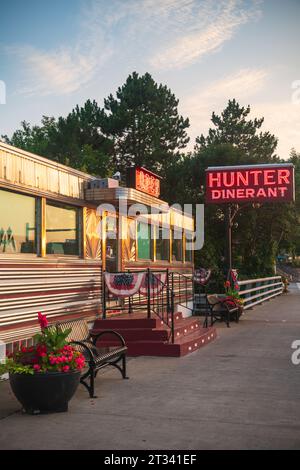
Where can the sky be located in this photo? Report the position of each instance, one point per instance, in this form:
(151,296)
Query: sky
(55,55)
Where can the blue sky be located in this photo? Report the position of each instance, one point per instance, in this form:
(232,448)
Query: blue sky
(54,55)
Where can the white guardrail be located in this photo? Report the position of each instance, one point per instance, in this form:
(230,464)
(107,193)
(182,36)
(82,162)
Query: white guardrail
(256,291)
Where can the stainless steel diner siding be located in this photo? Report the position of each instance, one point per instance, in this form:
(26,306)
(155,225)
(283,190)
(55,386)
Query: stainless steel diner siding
(30,173)
(55,288)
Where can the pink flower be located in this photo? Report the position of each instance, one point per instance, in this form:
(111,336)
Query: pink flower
(41,350)
(42,321)
(65,368)
(37,367)
(80,362)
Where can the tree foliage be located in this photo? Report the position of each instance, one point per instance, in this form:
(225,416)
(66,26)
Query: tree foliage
(144,124)
(141,125)
(76,140)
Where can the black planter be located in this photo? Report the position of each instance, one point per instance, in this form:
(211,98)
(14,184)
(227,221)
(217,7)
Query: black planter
(47,392)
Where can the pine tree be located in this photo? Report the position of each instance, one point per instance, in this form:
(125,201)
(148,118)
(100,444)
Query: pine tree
(233,127)
(144,123)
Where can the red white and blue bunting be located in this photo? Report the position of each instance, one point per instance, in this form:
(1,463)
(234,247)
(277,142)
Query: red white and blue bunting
(129,284)
(157,282)
(202,276)
(124,284)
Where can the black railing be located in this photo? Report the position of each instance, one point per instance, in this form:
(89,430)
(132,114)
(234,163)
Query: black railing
(161,301)
(182,286)
(158,301)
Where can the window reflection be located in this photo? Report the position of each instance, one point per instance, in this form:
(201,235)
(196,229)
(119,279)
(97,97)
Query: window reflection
(61,230)
(144,240)
(188,246)
(111,243)
(177,245)
(17,223)
(162,243)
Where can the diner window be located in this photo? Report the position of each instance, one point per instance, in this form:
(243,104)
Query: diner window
(177,245)
(189,239)
(162,243)
(144,241)
(111,243)
(17,223)
(62,229)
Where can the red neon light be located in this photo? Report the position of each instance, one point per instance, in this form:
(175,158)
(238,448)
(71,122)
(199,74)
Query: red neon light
(147,182)
(265,184)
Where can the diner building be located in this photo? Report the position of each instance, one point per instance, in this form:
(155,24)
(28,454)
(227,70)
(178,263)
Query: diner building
(55,242)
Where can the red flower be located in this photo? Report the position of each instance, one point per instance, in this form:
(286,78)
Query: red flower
(37,367)
(66,368)
(227,284)
(41,350)
(42,321)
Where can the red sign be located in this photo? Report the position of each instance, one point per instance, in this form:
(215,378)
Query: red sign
(257,183)
(147,182)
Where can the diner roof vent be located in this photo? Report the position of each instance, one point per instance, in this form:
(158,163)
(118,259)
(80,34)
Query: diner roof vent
(103,183)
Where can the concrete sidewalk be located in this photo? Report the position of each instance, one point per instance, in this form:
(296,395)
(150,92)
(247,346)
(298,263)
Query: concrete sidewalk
(240,392)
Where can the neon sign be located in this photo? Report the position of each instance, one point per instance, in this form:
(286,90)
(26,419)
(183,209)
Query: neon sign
(145,181)
(257,183)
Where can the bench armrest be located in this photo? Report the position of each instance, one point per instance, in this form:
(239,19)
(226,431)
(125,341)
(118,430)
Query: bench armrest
(86,349)
(96,336)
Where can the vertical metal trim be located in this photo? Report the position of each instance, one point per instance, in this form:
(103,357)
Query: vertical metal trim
(171,245)
(82,232)
(154,242)
(42,233)
(120,243)
(137,241)
(103,235)
(183,245)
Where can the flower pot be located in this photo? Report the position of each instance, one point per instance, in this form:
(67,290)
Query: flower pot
(47,392)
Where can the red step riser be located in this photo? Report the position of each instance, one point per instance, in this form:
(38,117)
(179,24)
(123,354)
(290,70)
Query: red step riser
(120,323)
(159,348)
(131,334)
(136,334)
(167,349)
(137,322)
(149,337)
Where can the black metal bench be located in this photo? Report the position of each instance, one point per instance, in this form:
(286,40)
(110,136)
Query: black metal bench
(221,310)
(96,357)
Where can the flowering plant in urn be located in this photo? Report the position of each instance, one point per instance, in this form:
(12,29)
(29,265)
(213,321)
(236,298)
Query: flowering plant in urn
(49,353)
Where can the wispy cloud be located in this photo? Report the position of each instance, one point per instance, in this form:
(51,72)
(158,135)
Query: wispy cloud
(200,104)
(207,26)
(160,34)
(69,67)
(281,117)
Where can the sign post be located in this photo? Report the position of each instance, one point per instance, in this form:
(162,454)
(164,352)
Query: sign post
(228,221)
(248,184)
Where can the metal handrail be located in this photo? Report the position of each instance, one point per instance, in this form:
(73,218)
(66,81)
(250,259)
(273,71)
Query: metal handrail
(161,303)
(263,289)
(188,293)
(262,279)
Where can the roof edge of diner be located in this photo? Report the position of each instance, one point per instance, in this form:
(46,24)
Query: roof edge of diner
(122,193)
(45,161)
